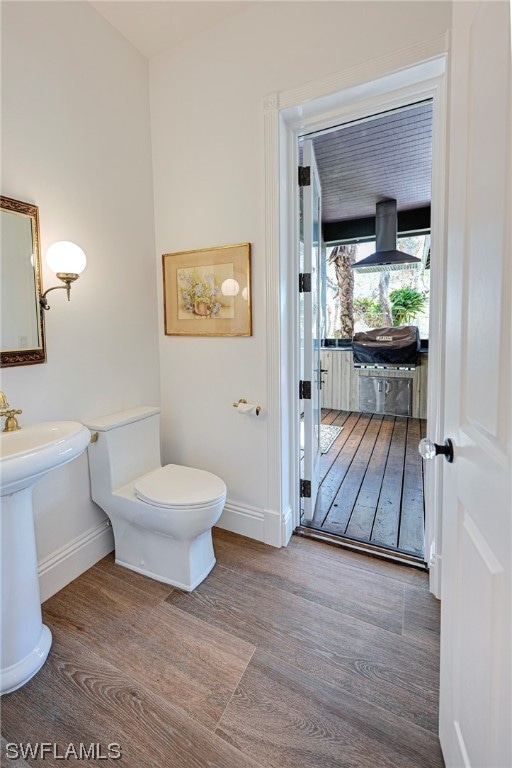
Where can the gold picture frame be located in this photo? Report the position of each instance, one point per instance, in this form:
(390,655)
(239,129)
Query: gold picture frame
(207,292)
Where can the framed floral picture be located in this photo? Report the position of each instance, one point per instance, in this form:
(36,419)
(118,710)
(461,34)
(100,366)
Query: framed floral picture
(208,292)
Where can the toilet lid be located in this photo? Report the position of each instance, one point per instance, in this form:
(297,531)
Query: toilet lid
(177,486)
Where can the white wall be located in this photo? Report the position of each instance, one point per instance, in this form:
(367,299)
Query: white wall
(207,128)
(76,142)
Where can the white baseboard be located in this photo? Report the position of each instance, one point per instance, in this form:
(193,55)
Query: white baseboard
(435,575)
(260,524)
(286,526)
(246,521)
(65,564)
(273,524)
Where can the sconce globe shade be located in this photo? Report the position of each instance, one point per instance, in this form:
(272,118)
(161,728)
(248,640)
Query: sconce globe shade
(65,256)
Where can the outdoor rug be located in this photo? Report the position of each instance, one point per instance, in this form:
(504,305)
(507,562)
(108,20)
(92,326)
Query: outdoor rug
(328,435)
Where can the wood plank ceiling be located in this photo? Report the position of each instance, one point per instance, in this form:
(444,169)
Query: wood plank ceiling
(388,156)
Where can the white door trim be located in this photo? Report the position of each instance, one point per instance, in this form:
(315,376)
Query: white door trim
(310,335)
(409,74)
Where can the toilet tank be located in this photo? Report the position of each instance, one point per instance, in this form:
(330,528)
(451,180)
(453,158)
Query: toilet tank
(128,446)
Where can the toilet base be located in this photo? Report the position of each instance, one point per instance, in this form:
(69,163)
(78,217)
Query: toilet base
(157,577)
(182,564)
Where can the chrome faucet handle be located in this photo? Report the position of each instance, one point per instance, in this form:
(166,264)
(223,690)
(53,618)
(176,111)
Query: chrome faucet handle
(3,401)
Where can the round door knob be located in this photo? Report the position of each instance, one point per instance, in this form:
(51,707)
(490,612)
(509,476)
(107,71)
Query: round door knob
(430,450)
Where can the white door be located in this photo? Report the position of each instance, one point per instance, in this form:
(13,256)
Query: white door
(312,249)
(476,652)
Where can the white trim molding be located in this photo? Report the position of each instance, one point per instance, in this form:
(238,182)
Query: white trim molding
(412,73)
(261,524)
(64,565)
(364,77)
(434,566)
(287,526)
(244,520)
(273,304)
(74,558)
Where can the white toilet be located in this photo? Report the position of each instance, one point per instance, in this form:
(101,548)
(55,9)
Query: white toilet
(162,517)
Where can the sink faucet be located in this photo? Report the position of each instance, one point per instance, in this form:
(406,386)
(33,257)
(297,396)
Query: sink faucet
(11,422)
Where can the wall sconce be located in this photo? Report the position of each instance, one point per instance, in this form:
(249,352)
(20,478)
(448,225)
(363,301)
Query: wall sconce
(68,262)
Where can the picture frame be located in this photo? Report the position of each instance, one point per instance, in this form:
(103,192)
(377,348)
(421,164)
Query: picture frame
(207,292)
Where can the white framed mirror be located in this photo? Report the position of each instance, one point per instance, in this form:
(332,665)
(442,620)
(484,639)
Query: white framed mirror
(22,324)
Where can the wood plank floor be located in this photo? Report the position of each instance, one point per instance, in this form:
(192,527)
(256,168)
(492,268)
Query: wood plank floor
(305,657)
(371,481)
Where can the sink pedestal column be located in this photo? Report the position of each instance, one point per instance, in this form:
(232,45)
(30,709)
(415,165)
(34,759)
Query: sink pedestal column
(25,641)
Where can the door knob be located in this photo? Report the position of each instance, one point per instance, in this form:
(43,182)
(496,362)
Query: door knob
(430,450)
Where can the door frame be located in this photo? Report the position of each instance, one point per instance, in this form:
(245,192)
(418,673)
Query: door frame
(406,76)
(309,338)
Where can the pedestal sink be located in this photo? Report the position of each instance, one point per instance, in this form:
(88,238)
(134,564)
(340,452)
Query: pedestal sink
(25,456)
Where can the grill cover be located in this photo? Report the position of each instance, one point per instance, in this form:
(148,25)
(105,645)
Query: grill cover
(398,345)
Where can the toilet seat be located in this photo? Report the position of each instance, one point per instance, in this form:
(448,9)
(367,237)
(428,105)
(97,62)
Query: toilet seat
(175,487)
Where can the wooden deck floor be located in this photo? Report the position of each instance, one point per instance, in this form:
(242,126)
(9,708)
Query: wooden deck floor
(372,481)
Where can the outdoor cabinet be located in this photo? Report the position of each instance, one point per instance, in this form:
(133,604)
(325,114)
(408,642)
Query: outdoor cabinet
(379,394)
(340,388)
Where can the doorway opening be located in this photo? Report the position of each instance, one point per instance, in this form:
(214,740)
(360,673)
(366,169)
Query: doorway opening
(373,410)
